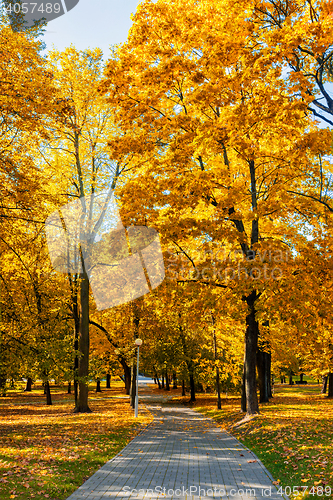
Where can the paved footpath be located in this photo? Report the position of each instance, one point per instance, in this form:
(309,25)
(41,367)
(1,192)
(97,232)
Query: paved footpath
(181,455)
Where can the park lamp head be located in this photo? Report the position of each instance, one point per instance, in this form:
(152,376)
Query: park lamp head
(138,342)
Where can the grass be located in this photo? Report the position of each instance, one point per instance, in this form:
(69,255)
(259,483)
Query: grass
(48,451)
(292,436)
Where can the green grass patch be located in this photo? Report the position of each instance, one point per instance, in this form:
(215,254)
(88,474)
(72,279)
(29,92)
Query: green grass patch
(292,436)
(48,451)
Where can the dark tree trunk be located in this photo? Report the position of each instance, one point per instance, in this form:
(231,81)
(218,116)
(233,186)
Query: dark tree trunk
(174,379)
(330,385)
(83,370)
(3,380)
(133,385)
(324,384)
(218,387)
(270,378)
(243,395)
(167,385)
(108,380)
(127,375)
(98,385)
(291,378)
(157,380)
(136,322)
(48,393)
(301,375)
(69,388)
(263,365)
(76,314)
(162,381)
(192,388)
(251,343)
(183,388)
(28,387)
(76,360)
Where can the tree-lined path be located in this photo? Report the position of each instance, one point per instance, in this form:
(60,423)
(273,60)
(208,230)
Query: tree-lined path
(182,454)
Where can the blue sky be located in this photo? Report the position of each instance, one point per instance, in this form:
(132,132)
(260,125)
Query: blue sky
(92,23)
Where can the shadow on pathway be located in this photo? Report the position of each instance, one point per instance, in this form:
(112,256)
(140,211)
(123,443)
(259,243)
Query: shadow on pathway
(181,454)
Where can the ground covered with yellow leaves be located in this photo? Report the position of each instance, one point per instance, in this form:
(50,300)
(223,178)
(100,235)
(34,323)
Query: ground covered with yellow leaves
(292,436)
(48,451)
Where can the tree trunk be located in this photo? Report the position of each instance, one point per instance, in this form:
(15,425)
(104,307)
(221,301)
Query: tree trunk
(251,344)
(263,366)
(174,379)
(330,385)
(324,384)
(301,375)
(83,370)
(108,381)
(98,385)
(243,395)
(291,378)
(69,388)
(218,387)
(269,375)
(127,375)
(3,381)
(157,379)
(192,387)
(76,358)
(183,388)
(162,381)
(167,385)
(133,385)
(48,393)
(76,315)
(28,387)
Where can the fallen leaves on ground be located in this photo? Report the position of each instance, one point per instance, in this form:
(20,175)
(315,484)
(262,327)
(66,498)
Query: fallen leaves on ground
(292,436)
(48,451)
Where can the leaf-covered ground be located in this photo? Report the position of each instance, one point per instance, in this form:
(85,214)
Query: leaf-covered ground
(48,451)
(293,436)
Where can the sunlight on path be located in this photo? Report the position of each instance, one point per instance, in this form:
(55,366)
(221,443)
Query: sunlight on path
(182,454)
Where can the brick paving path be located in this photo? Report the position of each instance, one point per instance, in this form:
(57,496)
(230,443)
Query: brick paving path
(181,455)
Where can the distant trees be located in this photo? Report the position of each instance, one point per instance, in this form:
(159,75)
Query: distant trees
(223,149)
(205,133)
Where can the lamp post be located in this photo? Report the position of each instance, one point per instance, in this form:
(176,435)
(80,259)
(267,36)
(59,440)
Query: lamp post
(138,342)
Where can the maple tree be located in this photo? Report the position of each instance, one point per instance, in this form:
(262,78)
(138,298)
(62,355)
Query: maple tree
(34,309)
(308,53)
(27,101)
(222,146)
(78,157)
(207,135)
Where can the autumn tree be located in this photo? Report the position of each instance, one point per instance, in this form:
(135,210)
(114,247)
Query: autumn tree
(27,101)
(225,145)
(34,308)
(308,53)
(77,153)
